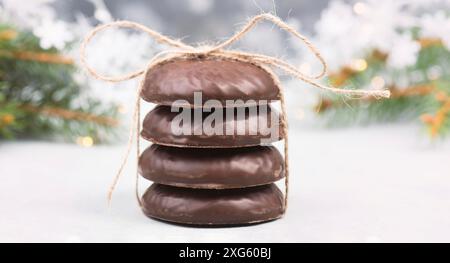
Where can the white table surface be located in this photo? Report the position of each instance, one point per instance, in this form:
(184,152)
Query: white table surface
(376,184)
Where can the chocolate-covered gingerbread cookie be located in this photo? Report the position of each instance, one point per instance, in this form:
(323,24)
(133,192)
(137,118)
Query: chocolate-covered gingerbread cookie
(234,128)
(217,79)
(213,207)
(212,168)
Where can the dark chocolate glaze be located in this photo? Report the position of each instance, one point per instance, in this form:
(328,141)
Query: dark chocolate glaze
(212,168)
(217,79)
(213,207)
(157,128)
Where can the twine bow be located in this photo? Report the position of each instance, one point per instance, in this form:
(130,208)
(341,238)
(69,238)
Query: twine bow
(182,50)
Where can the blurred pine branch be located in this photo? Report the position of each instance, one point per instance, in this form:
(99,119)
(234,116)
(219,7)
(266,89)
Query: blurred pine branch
(427,99)
(39,97)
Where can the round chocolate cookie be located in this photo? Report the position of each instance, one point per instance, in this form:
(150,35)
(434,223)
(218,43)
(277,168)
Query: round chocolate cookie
(217,79)
(213,207)
(212,168)
(195,127)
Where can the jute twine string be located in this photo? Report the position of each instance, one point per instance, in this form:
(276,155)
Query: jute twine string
(184,51)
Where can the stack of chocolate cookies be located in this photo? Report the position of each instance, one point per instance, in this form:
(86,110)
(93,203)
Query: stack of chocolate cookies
(220,176)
